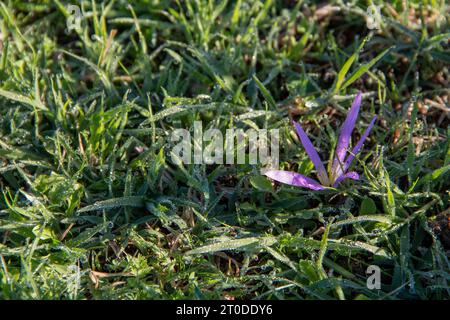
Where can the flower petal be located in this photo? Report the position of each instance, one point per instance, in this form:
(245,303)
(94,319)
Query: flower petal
(293,179)
(312,153)
(344,137)
(349,175)
(358,146)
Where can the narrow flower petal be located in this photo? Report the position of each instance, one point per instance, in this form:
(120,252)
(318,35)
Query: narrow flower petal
(358,146)
(345,135)
(349,175)
(293,179)
(312,153)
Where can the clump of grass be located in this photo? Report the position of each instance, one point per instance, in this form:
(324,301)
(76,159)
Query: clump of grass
(93,208)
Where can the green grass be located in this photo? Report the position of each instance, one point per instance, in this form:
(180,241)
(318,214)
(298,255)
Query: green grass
(93,208)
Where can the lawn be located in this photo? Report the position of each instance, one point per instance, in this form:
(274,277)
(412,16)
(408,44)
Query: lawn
(93,205)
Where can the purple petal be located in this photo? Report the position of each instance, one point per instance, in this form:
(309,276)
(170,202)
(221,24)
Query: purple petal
(349,175)
(358,146)
(344,137)
(293,179)
(312,153)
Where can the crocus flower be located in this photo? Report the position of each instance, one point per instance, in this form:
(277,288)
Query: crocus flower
(341,161)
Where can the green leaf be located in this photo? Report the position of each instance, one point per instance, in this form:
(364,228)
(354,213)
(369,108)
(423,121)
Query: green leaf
(368,206)
(261,183)
(23,99)
(376,218)
(265,92)
(346,67)
(434,175)
(133,201)
(239,244)
(410,151)
(262,14)
(363,69)
(102,74)
(235,17)
(362,246)
(308,269)
(390,196)
(281,257)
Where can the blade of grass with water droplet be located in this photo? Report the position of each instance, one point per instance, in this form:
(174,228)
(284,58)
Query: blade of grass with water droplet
(236,244)
(133,201)
(346,67)
(265,92)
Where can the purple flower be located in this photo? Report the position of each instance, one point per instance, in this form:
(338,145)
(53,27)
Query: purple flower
(341,161)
